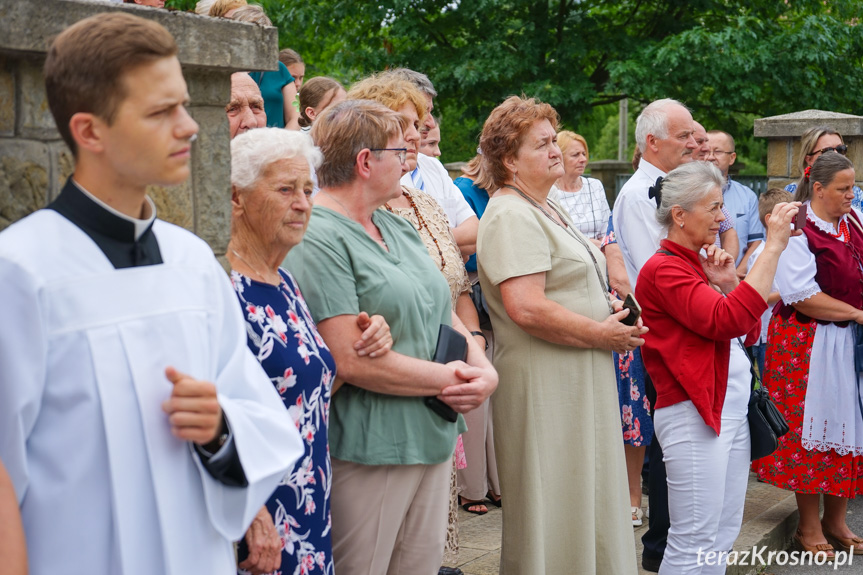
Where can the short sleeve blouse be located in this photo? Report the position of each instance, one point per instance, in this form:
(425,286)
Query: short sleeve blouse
(341,270)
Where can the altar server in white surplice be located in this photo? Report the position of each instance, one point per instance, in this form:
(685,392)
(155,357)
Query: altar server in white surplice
(140,434)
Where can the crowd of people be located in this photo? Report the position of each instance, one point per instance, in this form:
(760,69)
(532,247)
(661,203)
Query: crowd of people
(390,345)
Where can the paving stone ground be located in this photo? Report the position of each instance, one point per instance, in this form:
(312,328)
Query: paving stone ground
(769,518)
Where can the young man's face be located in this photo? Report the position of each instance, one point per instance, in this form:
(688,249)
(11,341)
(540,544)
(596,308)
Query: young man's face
(149,141)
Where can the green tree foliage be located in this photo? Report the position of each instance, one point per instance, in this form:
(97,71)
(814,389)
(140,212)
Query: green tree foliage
(729,60)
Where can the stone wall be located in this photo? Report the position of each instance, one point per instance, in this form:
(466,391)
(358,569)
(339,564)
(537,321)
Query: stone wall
(34,161)
(783,141)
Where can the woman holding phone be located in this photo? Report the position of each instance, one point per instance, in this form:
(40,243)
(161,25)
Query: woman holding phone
(556,414)
(809,366)
(695,356)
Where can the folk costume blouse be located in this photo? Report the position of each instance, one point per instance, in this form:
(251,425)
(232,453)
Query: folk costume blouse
(688,348)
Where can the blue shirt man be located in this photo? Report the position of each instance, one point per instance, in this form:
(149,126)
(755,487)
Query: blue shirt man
(739,200)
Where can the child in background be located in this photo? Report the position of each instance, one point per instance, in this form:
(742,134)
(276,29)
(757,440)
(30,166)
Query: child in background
(766,203)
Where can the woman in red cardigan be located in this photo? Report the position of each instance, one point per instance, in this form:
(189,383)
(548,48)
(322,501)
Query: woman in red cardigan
(698,367)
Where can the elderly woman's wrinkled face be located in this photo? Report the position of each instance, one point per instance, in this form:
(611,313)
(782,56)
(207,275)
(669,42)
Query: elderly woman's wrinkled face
(278,207)
(412,134)
(538,162)
(701,223)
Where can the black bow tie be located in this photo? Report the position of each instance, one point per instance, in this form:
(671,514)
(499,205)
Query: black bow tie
(655,191)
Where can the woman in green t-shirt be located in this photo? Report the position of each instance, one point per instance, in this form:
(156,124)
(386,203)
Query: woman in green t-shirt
(391,453)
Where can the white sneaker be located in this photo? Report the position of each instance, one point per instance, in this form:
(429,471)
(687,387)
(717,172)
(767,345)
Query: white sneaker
(647,512)
(637,515)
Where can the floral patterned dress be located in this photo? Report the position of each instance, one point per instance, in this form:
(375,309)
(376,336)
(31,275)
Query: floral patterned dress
(283,336)
(635,417)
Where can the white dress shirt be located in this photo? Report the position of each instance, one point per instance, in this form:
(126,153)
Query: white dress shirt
(635,226)
(440,186)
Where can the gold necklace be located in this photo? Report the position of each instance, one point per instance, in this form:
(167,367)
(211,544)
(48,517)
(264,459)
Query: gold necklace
(251,267)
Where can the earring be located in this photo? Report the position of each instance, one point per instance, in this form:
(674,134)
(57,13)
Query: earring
(681,225)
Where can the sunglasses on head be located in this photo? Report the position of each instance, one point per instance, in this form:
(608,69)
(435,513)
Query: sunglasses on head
(840,149)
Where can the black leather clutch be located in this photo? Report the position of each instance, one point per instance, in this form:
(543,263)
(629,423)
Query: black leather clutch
(451,346)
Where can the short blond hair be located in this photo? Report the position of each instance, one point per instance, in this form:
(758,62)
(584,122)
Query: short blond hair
(567,137)
(391,91)
(222,7)
(347,128)
(253,14)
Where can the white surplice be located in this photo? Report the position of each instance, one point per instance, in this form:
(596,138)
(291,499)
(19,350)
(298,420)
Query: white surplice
(103,485)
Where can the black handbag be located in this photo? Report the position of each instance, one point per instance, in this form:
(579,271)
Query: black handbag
(857,332)
(481,306)
(766,424)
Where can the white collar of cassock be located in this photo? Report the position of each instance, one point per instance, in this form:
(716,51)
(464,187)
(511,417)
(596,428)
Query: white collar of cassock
(140,225)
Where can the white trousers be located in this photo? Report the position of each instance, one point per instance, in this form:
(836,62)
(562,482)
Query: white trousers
(707,479)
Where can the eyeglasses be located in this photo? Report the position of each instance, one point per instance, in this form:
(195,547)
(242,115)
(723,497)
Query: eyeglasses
(717,153)
(402,152)
(840,149)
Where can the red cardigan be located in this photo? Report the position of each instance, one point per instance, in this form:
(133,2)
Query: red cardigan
(687,349)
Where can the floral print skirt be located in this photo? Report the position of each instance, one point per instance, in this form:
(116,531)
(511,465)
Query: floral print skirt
(634,407)
(786,371)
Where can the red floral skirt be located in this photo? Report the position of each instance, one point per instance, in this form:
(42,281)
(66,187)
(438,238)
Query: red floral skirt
(786,371)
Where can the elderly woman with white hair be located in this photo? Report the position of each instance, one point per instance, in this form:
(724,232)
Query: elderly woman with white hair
(271,191)
(696,359)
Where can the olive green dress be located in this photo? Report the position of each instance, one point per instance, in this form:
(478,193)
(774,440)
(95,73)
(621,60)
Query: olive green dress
(556,414)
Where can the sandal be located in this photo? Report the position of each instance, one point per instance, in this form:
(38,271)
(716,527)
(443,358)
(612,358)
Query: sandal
(844,542)
(817,550)
(637,515)
(491,499)
(470,505)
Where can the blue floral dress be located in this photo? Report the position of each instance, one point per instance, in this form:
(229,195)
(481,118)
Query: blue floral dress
(283,336)
(634,407)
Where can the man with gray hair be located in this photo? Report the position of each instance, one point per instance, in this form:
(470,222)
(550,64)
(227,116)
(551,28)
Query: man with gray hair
(432,177)
(664,132)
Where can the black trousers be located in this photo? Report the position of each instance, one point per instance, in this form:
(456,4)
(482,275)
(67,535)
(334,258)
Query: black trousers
(656,537)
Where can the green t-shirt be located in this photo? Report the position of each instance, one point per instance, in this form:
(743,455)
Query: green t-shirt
(341,270)
(271,84)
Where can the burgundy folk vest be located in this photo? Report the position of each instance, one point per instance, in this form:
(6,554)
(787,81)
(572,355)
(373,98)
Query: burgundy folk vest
(838,268)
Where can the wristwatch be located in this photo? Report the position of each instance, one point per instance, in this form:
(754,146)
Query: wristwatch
(482,335)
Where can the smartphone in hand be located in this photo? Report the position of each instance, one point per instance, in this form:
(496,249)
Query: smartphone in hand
(634,311)
(800,218)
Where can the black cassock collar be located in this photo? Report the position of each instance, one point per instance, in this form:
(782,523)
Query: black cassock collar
(114,235)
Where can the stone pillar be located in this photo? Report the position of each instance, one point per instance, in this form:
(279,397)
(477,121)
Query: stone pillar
(34,161)
(606,171)
(783,141)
